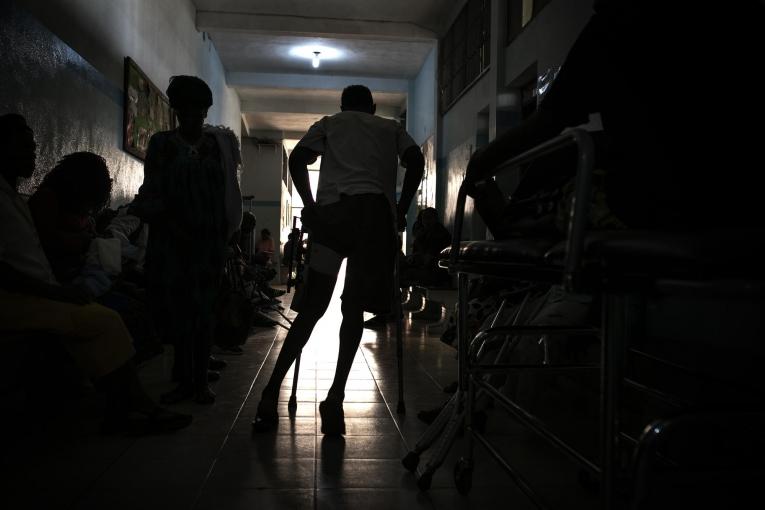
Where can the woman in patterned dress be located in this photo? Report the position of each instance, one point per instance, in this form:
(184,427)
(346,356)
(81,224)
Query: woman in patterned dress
(190,198)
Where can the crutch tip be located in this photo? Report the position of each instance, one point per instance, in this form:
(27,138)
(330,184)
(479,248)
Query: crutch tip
(292,406)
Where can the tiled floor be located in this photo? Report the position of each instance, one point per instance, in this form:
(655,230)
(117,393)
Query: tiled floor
(218,464)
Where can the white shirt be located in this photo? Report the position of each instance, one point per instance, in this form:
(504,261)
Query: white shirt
(359,152)
(20,245)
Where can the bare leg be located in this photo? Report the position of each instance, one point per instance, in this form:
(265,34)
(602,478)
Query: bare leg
(350,337)
(321,288)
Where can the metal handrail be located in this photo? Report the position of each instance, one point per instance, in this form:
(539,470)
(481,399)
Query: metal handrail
(578,211)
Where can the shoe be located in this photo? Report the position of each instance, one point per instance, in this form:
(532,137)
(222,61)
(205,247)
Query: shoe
(180,393)
(140,423)
(216,364)
(332,417)
(204,395)
(213,376)
(267,418)
(430,415)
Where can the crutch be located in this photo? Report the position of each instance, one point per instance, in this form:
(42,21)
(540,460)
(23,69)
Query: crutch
(296,263)
(398,310)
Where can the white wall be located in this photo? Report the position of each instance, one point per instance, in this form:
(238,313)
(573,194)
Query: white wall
(262,178)
(547,38)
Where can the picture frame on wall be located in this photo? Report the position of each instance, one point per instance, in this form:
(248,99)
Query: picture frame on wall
(146,111)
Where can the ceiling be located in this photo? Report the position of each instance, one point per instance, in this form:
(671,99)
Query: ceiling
(428,14)
(292,110)
(243,52)
(377,41)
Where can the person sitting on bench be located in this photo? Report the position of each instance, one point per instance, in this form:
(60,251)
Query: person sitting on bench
(33,301)
(352,218)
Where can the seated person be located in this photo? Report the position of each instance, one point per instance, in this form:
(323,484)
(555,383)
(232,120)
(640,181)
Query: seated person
(287,253)
(420,268)
(64,208)
(429,238)
(32,300)
(264,248)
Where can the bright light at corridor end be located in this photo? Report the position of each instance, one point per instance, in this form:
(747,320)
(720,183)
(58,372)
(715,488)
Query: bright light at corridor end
(315,53)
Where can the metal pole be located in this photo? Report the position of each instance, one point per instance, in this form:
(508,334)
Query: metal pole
(397,309)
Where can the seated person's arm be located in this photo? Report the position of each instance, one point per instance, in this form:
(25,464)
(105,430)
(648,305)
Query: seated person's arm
(414,163)
(537,129)
(13,280)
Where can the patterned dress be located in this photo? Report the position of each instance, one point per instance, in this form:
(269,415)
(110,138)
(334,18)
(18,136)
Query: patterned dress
(182,199)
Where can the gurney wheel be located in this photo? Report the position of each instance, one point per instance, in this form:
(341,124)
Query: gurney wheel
(463,476)
(411,461)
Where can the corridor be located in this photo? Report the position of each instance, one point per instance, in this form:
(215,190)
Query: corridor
(218,463)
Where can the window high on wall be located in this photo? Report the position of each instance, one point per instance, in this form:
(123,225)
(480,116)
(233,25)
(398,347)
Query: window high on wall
(519,14)
(464,51)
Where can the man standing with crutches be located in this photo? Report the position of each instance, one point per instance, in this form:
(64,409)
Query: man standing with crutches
(355,217)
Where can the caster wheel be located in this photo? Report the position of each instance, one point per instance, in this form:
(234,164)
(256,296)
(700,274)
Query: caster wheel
(463,476)
(411,461)
(424,481)
(292,407)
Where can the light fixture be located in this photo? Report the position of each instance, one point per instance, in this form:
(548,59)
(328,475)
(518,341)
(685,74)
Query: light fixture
(316,53)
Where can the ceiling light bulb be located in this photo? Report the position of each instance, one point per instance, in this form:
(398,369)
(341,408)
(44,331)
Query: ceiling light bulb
(315,61)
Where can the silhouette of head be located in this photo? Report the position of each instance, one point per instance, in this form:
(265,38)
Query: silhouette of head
(17,146)
(190,97)
(81,182)
(265,234)
(429,217)
(357,98)
(248,222)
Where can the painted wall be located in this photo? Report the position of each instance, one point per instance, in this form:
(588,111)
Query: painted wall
(62,67)
(421,101)
(547,38)
(262,178)
(544,42)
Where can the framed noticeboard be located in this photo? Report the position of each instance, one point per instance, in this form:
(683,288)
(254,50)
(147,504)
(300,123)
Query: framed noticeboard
(147,110)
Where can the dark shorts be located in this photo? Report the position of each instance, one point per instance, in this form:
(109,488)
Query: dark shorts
(358,228)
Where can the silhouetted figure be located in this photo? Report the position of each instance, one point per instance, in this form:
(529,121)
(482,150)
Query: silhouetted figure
(672,158)
(429,238)
(64,208)
(32,300)
(352,218)
(190,198)
(264,248)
